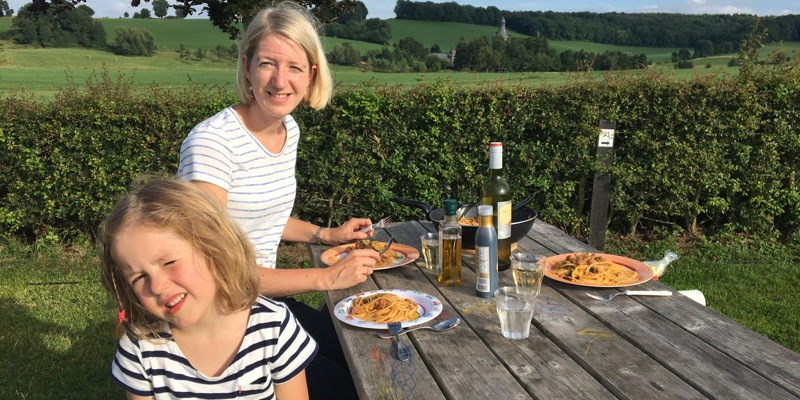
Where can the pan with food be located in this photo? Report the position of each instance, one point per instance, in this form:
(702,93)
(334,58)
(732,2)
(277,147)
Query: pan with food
(522,219)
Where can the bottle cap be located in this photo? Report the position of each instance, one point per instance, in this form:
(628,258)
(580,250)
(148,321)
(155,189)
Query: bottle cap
(485,210)
(496,155)
(450,207)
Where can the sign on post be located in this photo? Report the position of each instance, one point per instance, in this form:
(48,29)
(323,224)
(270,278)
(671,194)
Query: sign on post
(598,219)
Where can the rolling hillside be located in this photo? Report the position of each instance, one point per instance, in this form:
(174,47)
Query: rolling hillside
(43,71)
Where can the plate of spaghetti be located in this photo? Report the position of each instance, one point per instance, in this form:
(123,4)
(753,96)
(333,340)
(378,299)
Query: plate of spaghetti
(397,255)
(597,270)
(376,308)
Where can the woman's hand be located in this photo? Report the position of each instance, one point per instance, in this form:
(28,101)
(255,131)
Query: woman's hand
(352,269)
(347,232)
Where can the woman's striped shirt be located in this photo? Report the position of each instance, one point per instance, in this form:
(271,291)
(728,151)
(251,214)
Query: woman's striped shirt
(261,186)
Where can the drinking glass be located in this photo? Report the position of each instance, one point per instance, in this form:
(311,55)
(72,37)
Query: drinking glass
(528,271)
(430,250)
(515,309)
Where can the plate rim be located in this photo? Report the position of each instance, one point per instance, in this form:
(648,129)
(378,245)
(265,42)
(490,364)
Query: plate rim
(340,309)
(645,272)
(410,253)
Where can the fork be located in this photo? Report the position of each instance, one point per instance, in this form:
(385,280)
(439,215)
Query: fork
(403,352)
(380,224)
(631,293)
(388,244)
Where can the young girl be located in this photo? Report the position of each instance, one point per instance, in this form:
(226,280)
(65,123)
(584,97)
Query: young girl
(191,320)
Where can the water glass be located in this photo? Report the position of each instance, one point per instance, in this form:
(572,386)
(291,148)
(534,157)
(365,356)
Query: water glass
(430,250)
(528,270)
(515,309)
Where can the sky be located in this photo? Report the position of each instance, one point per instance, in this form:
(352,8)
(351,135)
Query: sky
(384,9)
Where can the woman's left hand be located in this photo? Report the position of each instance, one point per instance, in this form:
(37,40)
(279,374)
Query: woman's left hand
(347,232)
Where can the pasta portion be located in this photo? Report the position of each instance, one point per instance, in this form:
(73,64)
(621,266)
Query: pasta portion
(588,268)
(384,308)
(471,221)
(386,258)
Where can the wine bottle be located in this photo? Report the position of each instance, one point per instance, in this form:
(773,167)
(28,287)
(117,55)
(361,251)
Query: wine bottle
(486,253)
(450,246)
(496,192)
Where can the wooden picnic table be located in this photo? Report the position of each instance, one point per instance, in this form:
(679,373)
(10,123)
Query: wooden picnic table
(629,348)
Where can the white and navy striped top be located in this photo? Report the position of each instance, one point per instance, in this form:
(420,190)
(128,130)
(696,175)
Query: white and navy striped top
(261,186)
(275,349)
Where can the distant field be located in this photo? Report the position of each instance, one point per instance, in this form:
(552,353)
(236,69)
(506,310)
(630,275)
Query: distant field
(43,71)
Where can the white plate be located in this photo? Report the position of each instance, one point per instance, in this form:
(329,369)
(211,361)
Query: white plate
(429,308)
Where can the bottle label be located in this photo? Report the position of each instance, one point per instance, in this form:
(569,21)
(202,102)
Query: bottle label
(504,220)
(484,265)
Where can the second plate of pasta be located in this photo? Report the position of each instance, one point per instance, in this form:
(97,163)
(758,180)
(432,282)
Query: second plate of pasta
(597,270)
(399,255)
(427,308)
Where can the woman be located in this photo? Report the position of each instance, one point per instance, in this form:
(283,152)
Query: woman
(245,157)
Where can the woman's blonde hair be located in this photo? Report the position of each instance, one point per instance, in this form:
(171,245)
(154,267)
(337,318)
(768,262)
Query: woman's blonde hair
(296,23)
(187,211)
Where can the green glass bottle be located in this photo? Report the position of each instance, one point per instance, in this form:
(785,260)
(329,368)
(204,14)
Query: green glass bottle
(496,192)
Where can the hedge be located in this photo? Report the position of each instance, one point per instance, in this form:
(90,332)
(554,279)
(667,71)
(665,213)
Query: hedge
(708,154)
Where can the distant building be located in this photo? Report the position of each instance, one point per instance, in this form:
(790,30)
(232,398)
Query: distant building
(449,57)
(502,32)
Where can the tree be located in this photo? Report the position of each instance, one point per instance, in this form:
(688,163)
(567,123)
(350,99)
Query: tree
(345,54)
(228,15)
(134,41)
(413,47)
(86,9)
(5,9)
(68,28)
(160,8)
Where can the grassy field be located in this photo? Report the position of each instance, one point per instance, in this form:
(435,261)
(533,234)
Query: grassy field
(44,71)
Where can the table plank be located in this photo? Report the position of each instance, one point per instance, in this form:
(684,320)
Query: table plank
(632,347)
(621,367)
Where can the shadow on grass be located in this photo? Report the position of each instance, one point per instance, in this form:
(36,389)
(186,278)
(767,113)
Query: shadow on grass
(43,360)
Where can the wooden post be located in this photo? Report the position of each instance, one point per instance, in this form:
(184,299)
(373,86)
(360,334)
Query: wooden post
(598,219)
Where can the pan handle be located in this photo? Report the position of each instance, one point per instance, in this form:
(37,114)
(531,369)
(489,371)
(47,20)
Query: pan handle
(414,203)
(522,202)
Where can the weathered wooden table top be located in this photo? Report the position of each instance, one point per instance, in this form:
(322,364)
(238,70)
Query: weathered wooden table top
(629,348)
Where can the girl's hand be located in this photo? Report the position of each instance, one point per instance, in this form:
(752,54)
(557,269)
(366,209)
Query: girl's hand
(347,232)
(352,269)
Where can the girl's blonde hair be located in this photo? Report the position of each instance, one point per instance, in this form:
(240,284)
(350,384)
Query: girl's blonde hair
(296,23)
(193,215)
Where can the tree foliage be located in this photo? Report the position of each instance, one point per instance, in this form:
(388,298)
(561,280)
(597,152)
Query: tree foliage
(134,41)
(160,8)
(373,30)
(229,15)
(5,10)
(345,54)
(69,27)
(708,34)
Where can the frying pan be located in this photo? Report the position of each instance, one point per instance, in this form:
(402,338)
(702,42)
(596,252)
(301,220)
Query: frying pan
(522,219)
